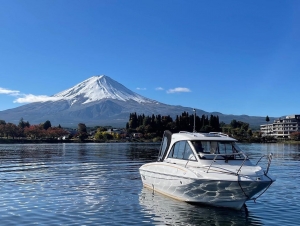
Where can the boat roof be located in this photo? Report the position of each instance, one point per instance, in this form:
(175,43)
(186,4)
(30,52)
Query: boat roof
(213,136)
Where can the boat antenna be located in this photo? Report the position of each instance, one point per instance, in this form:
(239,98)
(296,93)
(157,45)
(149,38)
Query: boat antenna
(194,129)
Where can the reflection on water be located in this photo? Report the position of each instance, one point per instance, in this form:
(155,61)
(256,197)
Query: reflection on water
(99,184)
(172,212)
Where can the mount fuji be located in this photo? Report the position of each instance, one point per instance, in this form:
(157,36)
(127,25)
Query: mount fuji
(101,100)
(99,88)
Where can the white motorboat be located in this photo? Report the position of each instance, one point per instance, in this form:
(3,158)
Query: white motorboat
(207,168)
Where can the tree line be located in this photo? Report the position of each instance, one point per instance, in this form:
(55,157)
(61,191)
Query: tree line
(154,126)
(24,129)
(151,127)
(157,124)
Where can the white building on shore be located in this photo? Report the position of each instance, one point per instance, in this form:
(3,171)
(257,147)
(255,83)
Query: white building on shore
(282,127)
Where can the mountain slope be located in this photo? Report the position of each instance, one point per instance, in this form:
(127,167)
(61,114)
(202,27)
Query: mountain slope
(101,100)
(98,88)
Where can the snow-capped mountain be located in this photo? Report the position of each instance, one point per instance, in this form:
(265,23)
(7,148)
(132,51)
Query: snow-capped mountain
(103,101)
(98,100)
(98,88)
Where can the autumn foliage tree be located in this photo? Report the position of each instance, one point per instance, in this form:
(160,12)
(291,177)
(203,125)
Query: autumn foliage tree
(38,131)
(34,131)
(44,130)
(295,135)
(56,132)
(9,130)
(104,135)
(2,127)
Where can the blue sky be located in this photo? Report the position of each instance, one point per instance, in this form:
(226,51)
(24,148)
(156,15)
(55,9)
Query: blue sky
(234,57)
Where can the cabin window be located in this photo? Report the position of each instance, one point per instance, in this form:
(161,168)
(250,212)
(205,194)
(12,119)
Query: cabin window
(198,146)
(179,150)
(225,148)
(188,153)
(171,153)
(182,150)
(206,149)
(209,147)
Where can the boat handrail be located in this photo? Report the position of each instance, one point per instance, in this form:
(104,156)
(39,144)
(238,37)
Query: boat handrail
(231,154)
(185,132)
(270,156)
(219,133)
(189,160)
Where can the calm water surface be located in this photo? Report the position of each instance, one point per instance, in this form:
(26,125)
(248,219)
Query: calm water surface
(99,184)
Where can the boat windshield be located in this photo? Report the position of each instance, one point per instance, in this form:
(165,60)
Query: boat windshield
(226,148)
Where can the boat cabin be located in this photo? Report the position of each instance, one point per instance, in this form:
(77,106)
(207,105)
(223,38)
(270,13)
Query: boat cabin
(197,146)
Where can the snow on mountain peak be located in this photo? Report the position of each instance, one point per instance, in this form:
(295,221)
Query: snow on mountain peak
(97,88)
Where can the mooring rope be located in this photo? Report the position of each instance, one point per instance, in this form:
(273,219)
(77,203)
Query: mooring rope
(242,188)
(254,199)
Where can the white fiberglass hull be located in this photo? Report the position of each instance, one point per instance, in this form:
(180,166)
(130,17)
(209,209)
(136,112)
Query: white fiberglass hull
(185,185)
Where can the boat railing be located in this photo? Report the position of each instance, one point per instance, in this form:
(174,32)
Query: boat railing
(269,157)
(228,155)
(219,133)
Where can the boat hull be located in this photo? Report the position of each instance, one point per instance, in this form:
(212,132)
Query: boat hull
(221,193)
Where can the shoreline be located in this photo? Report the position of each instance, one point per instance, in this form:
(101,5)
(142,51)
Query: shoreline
(53,141)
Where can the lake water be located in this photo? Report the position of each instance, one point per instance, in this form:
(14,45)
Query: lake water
(99,184)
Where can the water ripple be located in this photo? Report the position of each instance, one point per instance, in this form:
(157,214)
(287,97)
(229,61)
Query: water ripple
(99,184)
